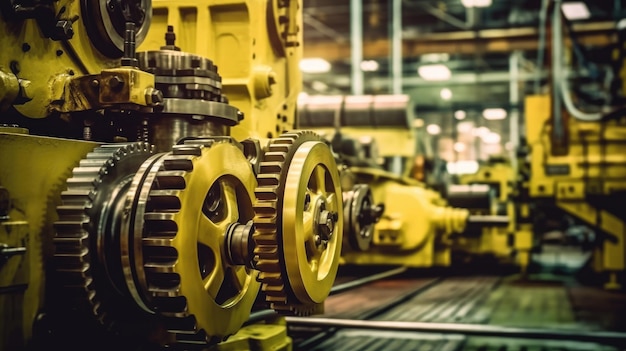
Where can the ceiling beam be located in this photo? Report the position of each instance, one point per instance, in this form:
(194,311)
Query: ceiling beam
(462,42)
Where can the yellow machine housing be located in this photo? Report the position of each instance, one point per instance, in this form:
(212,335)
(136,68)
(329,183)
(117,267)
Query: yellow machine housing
(587,181)
(508,243)
(416,227)
(132,215)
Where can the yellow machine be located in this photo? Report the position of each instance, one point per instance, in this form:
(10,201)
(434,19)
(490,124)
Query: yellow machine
(507,243)
(139,208)
(402,222)
(586,178)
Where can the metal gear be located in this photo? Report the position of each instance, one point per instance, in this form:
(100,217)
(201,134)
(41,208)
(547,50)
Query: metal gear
(194,196)
(86,224)
(299,222)
(360,215)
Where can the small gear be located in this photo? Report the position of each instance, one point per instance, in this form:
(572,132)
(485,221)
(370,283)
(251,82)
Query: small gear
(86,220)
(298,220)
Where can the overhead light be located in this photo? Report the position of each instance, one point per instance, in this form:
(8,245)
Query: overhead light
(459,146)
(446,94)
(319,86)
(460,115)
(480,131)
(314,65)
(491,138)
(434,57)
(476,3)
(494,114)
(433,129)
(369,66)
(434,72)
(575,10)
(465,127)
(462,167)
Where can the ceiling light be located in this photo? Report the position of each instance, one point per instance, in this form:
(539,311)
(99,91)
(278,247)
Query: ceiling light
(319,86)
(446,94)
(434,72)
(460,115)
(465,127)
(369,66)
(480,131)
(476,3)
(459,146)
(491,138)
(433,129)
(493,114)
(314,65)
(462,167)
(575,10)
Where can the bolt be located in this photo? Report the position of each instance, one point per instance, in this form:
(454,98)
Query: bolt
(326,224)
(116,83)
(63,30)
(154,97)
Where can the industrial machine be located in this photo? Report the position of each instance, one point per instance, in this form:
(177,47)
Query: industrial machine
(585,179)
(141,207)
(375,142)
(494,190)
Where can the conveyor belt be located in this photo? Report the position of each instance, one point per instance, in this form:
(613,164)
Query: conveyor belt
(484,300)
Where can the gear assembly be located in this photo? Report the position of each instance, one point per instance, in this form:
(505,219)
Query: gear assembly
(131,212)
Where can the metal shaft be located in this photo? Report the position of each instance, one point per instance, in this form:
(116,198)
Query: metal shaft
(601,337)
(486,220)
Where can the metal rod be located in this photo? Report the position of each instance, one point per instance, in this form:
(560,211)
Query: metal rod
(488,220)
(358,282)
(396,47)
(514,126)
(558,134)
(601,337)
(356,43)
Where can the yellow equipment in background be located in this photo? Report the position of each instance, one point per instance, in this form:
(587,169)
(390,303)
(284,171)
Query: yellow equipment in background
(402,222)
(586,179)
(136,209)
(508,244)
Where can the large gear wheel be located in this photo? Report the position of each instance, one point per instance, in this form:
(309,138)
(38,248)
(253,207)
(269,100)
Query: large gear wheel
(86,226)
(298,220)
(194,196)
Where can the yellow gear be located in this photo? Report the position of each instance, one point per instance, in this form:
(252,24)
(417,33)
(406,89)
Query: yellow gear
(202,188)
(298,232)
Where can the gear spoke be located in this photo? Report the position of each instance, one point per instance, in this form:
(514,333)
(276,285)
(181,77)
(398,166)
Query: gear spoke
(230,200)
(213,283)
(319,179)
(209,233)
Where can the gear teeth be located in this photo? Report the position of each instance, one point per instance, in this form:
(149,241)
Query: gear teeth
(268,234)
(72,241)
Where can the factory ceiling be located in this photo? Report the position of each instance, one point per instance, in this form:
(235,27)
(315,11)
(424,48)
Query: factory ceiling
(478,45)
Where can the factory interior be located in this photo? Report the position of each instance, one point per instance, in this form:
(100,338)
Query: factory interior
(228,175)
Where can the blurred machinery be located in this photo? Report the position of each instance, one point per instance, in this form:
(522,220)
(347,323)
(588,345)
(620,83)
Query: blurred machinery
(576,138)
(139,207)
(374,139)
(494,188)
(585,179)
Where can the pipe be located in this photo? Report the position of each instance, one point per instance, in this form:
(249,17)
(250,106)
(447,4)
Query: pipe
(356,43)
(601,337)
(558,132)
(396,47)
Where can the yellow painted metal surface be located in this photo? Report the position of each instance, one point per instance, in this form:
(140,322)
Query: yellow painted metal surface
(34,170)
(258,337)
(259,68)
(415,226)
(593,167)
